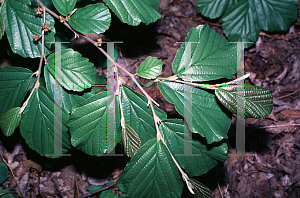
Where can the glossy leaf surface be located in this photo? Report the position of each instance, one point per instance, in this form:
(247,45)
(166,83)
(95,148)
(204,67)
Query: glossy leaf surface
(212,57)
(208,119)
(257,102)
(64,7)
(68,98)
(138,115)
(242,24)
(38,122)
(196,157)
(88,124)
(10,121)
(245,18)
(133,12)
(77,73)
(211,8)
(152,173)
(94,18)
(21,24)
(150,68)
(14,82)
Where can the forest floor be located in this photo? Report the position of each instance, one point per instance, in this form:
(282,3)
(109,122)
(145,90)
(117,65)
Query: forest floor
(271,166)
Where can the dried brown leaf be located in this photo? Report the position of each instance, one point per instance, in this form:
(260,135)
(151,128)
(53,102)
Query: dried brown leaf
(291,113)
(31,164)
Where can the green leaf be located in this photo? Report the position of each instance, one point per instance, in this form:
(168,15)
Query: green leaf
(150,68)
(120,185)
(94,18)
(244,20)
(64,7)
(211,8)
(109,194)
(77,73)
(104,193)
(275,15)
(230,5)
(195,157)
(93,188)
(212,57)
(2,25)
(152,173)
(208,119)
(88,123)
(199,189)
(10,121)
(131,141)
(133,12)
(38,122)
(258,101)
(3,172)
(14,82)
(21,24)
(6,194)
(240,24)
(138,115)
(68,98)
(100,80)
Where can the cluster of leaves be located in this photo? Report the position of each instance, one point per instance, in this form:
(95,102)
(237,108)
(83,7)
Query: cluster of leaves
(155,143)
(242,20)
(93,18)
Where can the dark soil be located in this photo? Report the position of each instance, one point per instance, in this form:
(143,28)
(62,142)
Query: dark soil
(271,166)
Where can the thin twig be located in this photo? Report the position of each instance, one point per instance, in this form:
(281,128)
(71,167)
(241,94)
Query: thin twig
(216,86)
(156,122)
(119,66)
(76,184)
(56,16)
(107,56)
(283,125)
(276,36)
(220,189)
(160,138)
(288,94)
(43,33)
(12,174)
(97,191)
(38,72)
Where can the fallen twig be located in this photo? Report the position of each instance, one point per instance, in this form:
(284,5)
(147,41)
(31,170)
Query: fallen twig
(12,174)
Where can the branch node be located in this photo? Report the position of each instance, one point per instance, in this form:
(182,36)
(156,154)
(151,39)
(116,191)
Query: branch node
(99,42)
(61,19)
(39,11)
